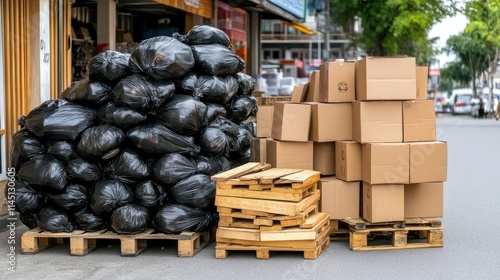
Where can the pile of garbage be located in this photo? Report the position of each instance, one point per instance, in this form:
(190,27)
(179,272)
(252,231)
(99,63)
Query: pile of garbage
(135,144)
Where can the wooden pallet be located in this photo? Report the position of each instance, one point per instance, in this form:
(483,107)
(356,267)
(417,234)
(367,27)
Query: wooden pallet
(241,219)
(359,223)
(82,242)
(272,192)
(263,252)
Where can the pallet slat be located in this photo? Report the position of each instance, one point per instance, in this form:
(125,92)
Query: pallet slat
(241,170)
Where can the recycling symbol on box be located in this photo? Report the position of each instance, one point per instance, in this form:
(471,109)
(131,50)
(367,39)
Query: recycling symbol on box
(342,86)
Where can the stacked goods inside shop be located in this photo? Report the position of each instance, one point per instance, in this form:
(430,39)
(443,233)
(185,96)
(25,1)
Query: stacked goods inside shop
(133,146)
(368,127)
(264,209)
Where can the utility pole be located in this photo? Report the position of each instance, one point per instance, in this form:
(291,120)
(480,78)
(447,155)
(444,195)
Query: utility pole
(326,11)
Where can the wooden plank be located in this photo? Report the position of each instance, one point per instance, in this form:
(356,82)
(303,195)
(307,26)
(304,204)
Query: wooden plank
(240,171)
(304,178)
(238,233)
(269,176)
(314,220)
(264,194)
(289,189)
(296,233)
(268,206)
(229,184)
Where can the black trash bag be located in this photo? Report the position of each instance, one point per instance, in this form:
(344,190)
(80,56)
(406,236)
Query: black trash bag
(73,199)
(245,139)
(108,195)
(58,120)
(216,60)
(183,114)
(62,150)
(128,167)
(121,116)
(212,165)
(29,220)
(149,194)
(142,94)
(98,141)
(213,111)
(87,93)
(51,219)
(44,171)
(28,200)
(241,107)
(195,191)
(83,170)
(240,157)
(204,34)
(171,168)
(162,58)
(220,137)
(175,218)
(210,88)
(249,125)
(108,67)
(24,146)
(246,83)
(130,219)
(89,221)
(155,138)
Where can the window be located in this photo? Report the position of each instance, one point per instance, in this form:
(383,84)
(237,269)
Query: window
(272,54)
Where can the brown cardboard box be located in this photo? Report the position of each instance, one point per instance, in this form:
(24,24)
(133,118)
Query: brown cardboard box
(424,200)
(264,121)
(419,121)
(385,163)
(377,121)
(337,83)
(428,162)
(339,199)
(331,122)
(348,160)
(290,154)
(324,158)
(386,78)
(313,90)
(259,150)
(299,93)
(383,203)
(291,122)
(422,77)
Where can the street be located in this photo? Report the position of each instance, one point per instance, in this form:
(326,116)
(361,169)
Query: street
(471,241)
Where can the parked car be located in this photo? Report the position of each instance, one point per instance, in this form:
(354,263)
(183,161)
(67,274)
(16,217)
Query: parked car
(486,101)
(461,100)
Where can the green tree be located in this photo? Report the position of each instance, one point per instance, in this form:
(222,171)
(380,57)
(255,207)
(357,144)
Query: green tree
(456,71)
(470,53)
(392,27)
(484,27)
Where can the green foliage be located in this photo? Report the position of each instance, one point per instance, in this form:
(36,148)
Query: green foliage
(392,27)
(456,71)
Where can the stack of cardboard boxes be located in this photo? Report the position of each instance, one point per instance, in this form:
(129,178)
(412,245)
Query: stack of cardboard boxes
(368,123)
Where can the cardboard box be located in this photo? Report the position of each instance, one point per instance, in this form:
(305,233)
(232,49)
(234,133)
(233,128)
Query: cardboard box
(339,199)
(348,160)
(299,93)
(264,121)
(424,200)
(337,83)
(313,90)
(383,203)
(428,162)
(377,121)
(422,79)
(385,163)
(419,121)
(324,158)
(386,78)
(259,150)
(290,154)
(291,122)
(331,122)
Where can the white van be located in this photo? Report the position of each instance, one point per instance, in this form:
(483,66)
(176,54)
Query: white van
(461,101)
(486,101)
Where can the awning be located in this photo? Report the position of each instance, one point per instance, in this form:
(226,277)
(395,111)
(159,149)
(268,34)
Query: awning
(300,27)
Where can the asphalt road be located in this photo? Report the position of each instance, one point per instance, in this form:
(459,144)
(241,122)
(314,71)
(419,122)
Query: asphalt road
(471,236)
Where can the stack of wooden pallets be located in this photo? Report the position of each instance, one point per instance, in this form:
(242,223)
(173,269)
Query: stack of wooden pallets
(265,209)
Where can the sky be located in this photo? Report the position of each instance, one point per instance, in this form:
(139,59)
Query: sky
(445,29)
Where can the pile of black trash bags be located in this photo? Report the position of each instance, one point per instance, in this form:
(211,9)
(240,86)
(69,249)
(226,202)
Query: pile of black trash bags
(135,144)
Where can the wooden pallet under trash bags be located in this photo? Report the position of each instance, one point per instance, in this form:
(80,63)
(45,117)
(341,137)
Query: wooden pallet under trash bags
(83,242)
